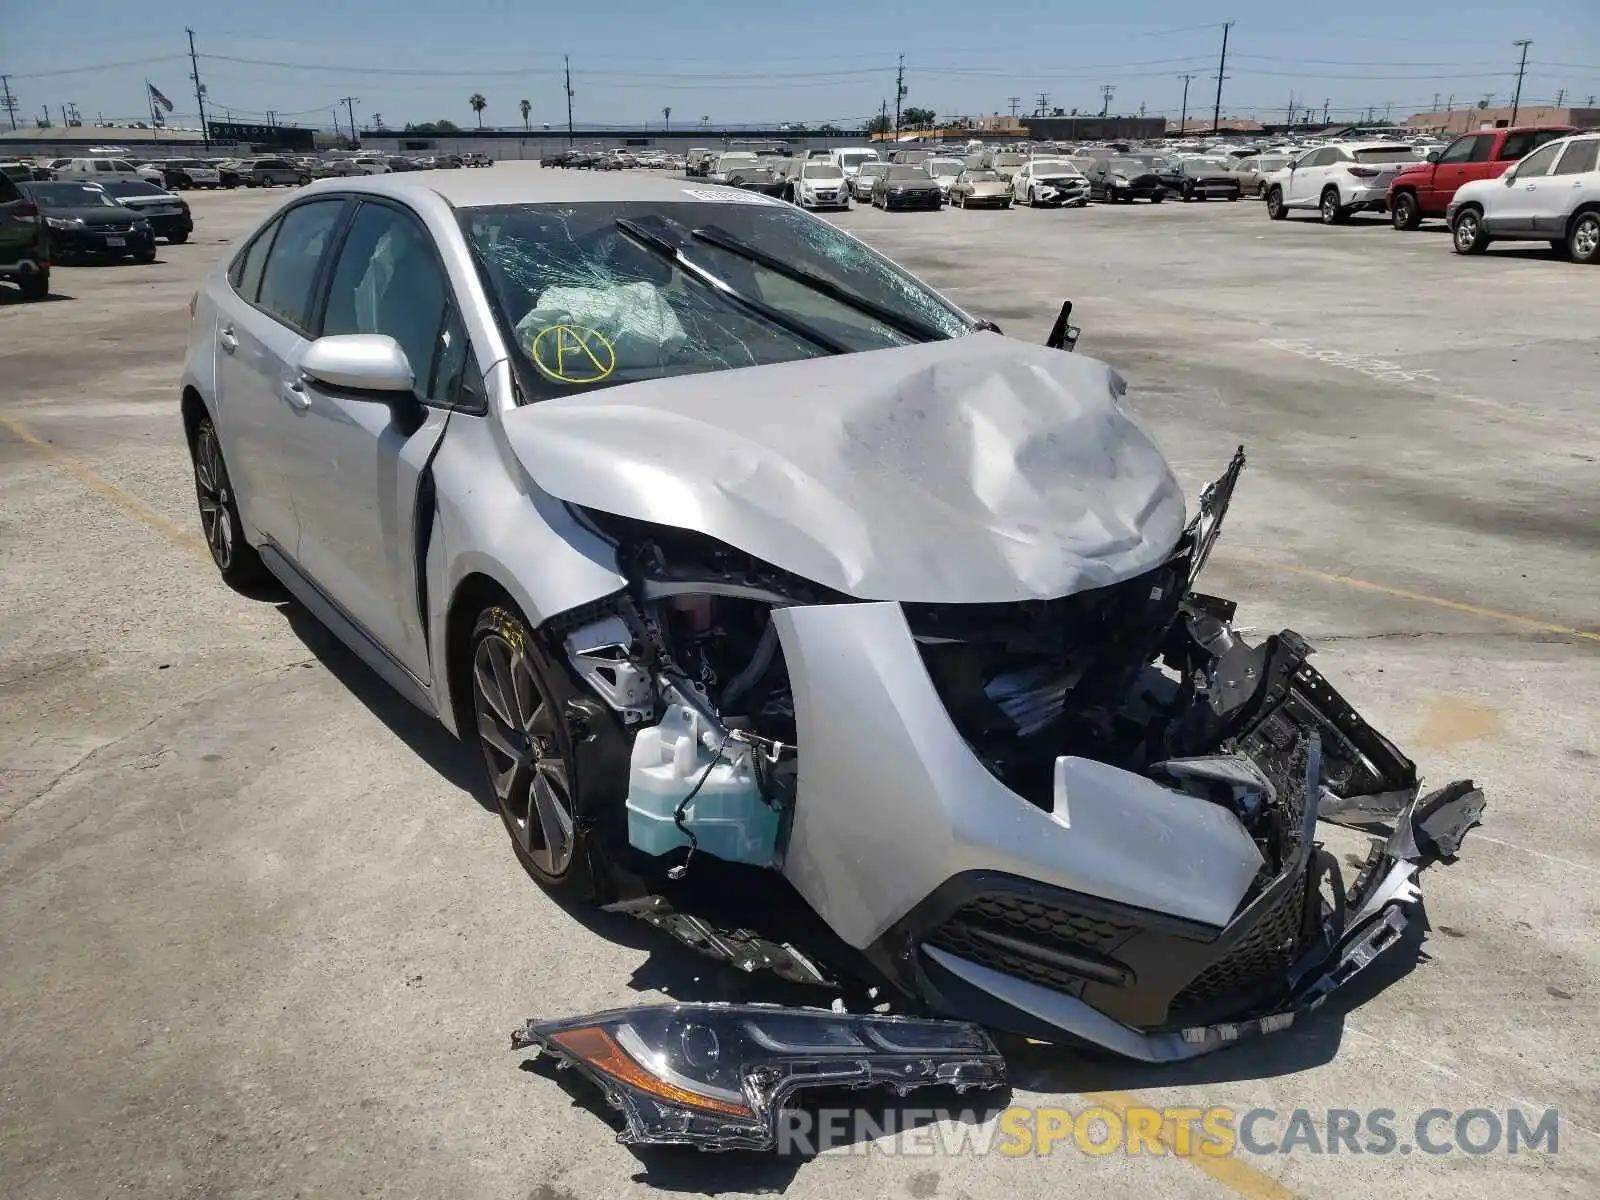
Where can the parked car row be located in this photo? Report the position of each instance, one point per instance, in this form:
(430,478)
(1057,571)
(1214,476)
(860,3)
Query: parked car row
(48,221)
(1515,184)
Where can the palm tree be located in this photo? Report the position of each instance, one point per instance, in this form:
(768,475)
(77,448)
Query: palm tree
(478,104)
(526,109)
(666,115)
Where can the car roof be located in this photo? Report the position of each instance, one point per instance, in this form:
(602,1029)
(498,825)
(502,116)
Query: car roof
(509,183)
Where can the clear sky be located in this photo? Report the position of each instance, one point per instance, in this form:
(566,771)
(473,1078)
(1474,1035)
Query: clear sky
(814,61)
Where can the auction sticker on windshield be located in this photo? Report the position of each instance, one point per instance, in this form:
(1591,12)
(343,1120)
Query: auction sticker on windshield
(729,196)
(573,354)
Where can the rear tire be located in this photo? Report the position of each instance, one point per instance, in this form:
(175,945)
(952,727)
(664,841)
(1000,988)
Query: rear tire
(1158,198)
(177,239)
(1331,211)
(1583,239)
(1406,212)
(1276,210)
(1466,231)
(237,561)
(35,286)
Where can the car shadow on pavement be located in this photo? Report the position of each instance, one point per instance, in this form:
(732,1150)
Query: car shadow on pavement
(430,740)
(10,296)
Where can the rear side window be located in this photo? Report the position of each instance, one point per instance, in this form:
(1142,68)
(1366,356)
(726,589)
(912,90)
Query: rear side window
(103,165)
(245,274)
(1580,158)
(303,236)
(9,192)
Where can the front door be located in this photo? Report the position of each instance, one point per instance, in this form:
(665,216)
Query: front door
(1529,193)
(355,461)
(1305,181)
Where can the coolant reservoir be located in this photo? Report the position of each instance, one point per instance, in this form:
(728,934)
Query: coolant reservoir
(728,815)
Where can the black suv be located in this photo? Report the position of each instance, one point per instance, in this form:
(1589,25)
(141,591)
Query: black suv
(24,242)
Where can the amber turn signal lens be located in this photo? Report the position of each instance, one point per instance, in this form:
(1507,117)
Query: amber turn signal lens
(596,1049)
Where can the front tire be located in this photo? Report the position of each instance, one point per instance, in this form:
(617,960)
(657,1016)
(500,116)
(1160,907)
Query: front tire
(527,754)
(237,561)
(1276,209)
(1583,239)
(1466,232)
(177,239)
(1158,198)
(1406,213)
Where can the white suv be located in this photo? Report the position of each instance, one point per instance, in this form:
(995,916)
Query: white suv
(1551,195)
(1339,180)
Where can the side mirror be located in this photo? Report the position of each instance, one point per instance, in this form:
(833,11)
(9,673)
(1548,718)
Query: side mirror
(359,362)
(1063,334)
(1510,177)
(1433,156)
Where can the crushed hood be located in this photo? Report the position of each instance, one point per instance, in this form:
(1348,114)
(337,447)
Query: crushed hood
(975,470)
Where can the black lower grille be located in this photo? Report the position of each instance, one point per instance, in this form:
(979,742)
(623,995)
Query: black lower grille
(1053,945)
(1259,958)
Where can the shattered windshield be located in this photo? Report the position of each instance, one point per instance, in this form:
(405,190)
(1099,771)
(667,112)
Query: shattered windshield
(587,305)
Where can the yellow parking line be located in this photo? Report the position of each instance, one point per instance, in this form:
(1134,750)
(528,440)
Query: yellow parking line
(129,504)
(1231,1172)
(1364,585)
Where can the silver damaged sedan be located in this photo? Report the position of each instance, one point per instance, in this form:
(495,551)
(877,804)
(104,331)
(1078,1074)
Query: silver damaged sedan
(802,615)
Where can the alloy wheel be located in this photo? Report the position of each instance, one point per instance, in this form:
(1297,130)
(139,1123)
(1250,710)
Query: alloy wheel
(1466,231)
(212,493)
(1586,238)
(522,748)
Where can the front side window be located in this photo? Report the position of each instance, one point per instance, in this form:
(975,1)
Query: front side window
(291,265)
(1580,157)
(588,303)
(1538,163)
(387,280)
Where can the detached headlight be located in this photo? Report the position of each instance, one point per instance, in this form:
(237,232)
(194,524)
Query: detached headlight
(718,1075)
(64,222)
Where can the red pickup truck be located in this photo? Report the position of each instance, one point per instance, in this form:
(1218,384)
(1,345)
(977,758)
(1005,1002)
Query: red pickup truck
(1427,189)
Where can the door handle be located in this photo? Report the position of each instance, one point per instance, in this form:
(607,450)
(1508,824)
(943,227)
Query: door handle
(295,393)
(226,339)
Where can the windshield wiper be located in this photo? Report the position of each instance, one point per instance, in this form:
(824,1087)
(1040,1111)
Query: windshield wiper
(664,247)
(909,326)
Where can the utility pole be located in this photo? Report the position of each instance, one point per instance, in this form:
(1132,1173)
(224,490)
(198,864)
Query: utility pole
(1106,90)
(1183,120)
(1388,107)
(899,95)
(9,102)
(566,63)
(1561,95)
(1327,101)
(1141,110)
(883,117)
(1450,104)
(199,89)
(349,103)
(1522,66)
(1288,118)
(1222,73)
(1015,102)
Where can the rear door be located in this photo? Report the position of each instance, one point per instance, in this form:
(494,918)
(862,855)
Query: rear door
(1574,179)
(355,460)
(259,335)
(19,223)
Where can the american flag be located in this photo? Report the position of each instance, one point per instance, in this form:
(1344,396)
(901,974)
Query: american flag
(155,94)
